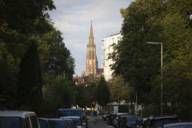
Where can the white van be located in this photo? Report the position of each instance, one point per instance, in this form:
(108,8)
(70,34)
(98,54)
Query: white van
(18,119)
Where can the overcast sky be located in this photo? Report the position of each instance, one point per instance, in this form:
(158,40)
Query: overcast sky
(72,18)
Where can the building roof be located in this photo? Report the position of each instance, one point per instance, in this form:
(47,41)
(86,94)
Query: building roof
(114,34)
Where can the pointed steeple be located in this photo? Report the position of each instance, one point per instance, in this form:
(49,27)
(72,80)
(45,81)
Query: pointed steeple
(91,60)
(91,37)
(91,31)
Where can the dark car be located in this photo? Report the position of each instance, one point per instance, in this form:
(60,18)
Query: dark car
(76,121)
(117,119)
(18,119)
(59,123)
(73,114)
(110,118)
(56,123)
(44,123)
(129,121)
(158,122)
(179,125)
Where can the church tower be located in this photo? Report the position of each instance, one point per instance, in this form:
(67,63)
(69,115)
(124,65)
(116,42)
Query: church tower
(91,59)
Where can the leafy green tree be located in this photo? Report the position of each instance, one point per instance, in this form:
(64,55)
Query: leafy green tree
(21,23)
(30,81)
(59,92)
(21,15)
(86,95)
(139,63)
(177,71)
(119,89)
(59,59)
(102,93)
(7,88)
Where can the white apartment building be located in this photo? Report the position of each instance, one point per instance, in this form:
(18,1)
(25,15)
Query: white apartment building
(108,48)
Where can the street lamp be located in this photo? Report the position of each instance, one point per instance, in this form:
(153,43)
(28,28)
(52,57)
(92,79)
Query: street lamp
(161,98)
(190,17)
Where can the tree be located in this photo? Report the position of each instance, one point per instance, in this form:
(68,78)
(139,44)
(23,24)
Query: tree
(136,61)
(21,15)
(103,94)
(119,89)
(21,23)
(58,60)
(139,63)
(59,93)
(7,88)
(86,95)
(30,82)
(18,25)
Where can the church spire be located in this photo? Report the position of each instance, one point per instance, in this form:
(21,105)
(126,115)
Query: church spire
(91,37)
(91,60)
(91,31)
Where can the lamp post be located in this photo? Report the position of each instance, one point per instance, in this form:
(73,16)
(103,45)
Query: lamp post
(161,98)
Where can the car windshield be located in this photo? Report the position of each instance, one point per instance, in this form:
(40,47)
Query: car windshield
(70,112)
(132,119)
(57,124)
(10,122)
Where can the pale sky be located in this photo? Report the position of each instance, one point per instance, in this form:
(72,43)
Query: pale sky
(73,17)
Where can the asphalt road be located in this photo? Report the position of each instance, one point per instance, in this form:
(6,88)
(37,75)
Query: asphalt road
(97,122)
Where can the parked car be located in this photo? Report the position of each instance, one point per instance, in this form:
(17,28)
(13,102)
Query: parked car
(44,123)
(73,114)
(158,122)
(110,119)
(104,117)
(179,125)
(76,121)
(59,123)
(116,120)
(129,121)
(133,121)
(18,119)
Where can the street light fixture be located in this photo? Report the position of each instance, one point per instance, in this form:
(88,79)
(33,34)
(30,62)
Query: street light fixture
(190,17)
(161,98)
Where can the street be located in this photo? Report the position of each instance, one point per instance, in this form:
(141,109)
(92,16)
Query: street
(97,123)
(95,64)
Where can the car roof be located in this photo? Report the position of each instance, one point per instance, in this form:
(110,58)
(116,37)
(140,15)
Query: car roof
(67,119)
(70,117)
(178,124)
(53,119)
(43,119)
(128,115)
(122,113)
(22,114)
(68,109)
(164,117)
